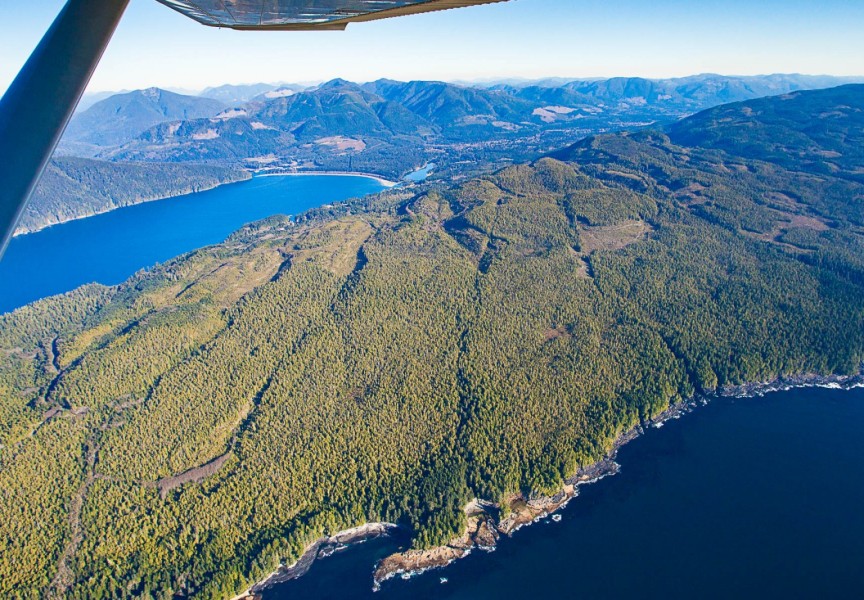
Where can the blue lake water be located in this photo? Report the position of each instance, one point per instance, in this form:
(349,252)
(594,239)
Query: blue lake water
(420,174)
(110,247)
(744,498)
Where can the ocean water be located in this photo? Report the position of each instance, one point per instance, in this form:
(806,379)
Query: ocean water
(743,498)
(110,247)
(753,497)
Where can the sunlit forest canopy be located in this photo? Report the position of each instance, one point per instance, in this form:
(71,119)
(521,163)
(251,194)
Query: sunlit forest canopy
(393,357)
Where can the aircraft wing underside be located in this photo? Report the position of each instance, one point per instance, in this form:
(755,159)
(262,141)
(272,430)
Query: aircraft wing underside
(305,14)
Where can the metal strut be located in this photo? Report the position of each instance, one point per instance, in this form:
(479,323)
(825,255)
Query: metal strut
(37,106)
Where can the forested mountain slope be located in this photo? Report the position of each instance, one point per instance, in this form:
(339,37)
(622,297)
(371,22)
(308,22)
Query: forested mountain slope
(392,358)
(450,106)
(121,117)
(391,127)
(814,131)
(72,188)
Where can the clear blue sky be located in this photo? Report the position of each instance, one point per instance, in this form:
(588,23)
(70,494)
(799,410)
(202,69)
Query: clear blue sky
(522,38)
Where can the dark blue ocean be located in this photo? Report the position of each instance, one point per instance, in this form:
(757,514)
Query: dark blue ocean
(744,498)
(110,247)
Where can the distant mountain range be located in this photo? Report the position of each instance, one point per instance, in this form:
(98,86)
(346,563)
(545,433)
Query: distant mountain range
(121,117)
(338,125)
(389,126)
(391,358)
(686,93)
(237,94)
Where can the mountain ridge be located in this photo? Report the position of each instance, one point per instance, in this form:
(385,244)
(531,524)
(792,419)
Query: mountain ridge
(340,123)
(391,358)
(121,117)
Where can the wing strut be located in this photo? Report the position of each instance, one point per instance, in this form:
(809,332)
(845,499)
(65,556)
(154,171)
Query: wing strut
(37,106)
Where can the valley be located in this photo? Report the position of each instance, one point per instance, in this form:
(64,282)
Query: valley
(153,144)
(392,357)
(110,247)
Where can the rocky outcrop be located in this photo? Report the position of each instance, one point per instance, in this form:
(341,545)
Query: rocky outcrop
(485,523)
(481,532)
(320,548)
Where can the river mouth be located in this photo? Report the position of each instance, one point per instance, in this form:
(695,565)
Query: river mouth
(744,497)
(110,247)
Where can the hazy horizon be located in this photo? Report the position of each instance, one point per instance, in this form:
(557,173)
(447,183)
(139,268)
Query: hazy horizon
(464,82)
(520,39)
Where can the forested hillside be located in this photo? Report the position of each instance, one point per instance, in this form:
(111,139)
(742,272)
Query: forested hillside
(392,127)
(78,187)
(121,117)
(391,358)
(817,132)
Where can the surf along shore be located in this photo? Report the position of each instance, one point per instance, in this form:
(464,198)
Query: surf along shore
(485,525)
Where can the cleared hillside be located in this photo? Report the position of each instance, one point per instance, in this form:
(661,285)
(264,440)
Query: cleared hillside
(121,117)
(389,359)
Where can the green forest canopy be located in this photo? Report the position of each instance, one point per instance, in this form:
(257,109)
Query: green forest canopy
(390,359)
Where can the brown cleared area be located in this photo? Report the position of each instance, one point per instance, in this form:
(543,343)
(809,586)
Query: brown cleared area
(342,143)
(808,222)
(612,237)
(196,475)
(793,222)
(555,333)
(334,246)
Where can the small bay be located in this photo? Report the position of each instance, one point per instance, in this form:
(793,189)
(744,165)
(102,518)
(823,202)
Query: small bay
(420,174)
(751,497)
(110,247)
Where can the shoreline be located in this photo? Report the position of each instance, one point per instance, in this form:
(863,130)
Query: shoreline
(483,532)
(385,182)
(528,511)
(321,548)
(19,233)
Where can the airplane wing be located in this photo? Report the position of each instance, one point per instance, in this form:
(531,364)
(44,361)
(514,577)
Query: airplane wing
(305,15)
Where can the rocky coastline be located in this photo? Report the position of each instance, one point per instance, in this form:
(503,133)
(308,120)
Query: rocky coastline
(484,529)
(321,548)
(750,390)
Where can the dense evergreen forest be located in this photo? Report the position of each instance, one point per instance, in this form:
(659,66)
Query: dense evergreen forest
(79,187)
(391,358)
